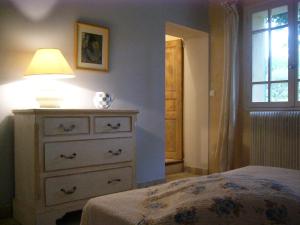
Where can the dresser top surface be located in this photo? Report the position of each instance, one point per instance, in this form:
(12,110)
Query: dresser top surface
(75,111)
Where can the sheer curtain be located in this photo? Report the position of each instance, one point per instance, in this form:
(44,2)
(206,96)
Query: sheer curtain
(229,105)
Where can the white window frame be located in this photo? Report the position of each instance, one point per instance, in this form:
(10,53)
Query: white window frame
(248,10)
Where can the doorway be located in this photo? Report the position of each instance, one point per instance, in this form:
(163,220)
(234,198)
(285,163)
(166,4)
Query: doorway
(186,100)
(174,99)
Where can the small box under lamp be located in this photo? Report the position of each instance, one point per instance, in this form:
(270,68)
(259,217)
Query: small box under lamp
(49,64)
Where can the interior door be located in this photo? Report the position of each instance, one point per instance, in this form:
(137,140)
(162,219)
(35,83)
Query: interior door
(173,99)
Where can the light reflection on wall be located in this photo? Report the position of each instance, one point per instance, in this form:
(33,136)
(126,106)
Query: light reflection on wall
(22,94)
(35,9)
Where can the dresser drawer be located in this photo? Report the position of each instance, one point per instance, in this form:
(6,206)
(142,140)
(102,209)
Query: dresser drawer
(66,125)
(72,154)
(81,186)
(112,124)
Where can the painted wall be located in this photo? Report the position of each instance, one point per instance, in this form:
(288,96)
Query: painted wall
(136,76)
(196,80)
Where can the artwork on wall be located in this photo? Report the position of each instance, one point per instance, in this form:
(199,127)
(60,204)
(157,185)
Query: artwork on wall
(91,45)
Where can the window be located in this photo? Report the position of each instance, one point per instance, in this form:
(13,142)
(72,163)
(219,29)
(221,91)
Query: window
(273,76)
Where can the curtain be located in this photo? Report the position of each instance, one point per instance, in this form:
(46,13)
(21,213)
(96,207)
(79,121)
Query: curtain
(229,105)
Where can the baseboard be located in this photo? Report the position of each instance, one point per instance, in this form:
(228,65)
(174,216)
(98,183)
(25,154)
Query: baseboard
(151,183)
(197,171)
(5,211)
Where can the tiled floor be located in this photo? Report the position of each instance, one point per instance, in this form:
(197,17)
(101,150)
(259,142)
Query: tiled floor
(74,218)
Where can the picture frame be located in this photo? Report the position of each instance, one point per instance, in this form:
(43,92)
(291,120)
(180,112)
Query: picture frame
(91,47)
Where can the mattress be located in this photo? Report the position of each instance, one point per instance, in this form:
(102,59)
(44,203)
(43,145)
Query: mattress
(252,195)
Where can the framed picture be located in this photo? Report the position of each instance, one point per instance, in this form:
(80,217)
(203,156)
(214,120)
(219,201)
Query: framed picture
(91,45)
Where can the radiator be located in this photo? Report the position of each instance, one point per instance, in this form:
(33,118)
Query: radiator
(275,139)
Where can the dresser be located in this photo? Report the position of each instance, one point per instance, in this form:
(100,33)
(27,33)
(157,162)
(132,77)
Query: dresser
(63,157)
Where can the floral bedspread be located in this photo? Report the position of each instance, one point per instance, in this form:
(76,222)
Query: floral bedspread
(247,196)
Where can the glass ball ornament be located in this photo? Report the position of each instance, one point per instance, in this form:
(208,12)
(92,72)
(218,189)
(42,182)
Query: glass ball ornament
(102,100)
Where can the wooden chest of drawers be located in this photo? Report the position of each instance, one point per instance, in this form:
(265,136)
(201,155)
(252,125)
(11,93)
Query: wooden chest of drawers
(63,157)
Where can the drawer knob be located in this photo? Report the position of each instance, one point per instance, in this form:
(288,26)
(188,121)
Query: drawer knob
(69,192)
(115,152)
(67,129)
(113,181)
(115,127)
(68,156)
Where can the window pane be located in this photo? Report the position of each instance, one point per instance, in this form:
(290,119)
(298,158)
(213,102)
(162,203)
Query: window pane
(260,20)
(260,55)
(260,93)
(279,92)
(279,16)
(279,54)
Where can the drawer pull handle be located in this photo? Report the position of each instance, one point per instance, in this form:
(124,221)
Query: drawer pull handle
(68,192)
(116,152)
(68,156)
(67,129)
(113,181)
(115,127)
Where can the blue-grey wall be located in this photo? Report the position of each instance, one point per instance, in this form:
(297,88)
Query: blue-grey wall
(136,75)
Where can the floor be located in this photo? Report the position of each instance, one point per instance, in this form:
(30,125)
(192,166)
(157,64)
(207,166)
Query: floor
(74,217)
(177,176)
(8,222)
(170,161)
(70,219)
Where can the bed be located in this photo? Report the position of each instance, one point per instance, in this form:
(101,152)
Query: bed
(252,195)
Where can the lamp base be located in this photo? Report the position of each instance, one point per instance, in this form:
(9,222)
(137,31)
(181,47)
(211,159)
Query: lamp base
(49,102)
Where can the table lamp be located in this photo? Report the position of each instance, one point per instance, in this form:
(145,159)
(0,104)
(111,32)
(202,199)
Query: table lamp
(49,64)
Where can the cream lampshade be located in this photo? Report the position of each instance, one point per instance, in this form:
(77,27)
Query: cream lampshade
(49,63)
